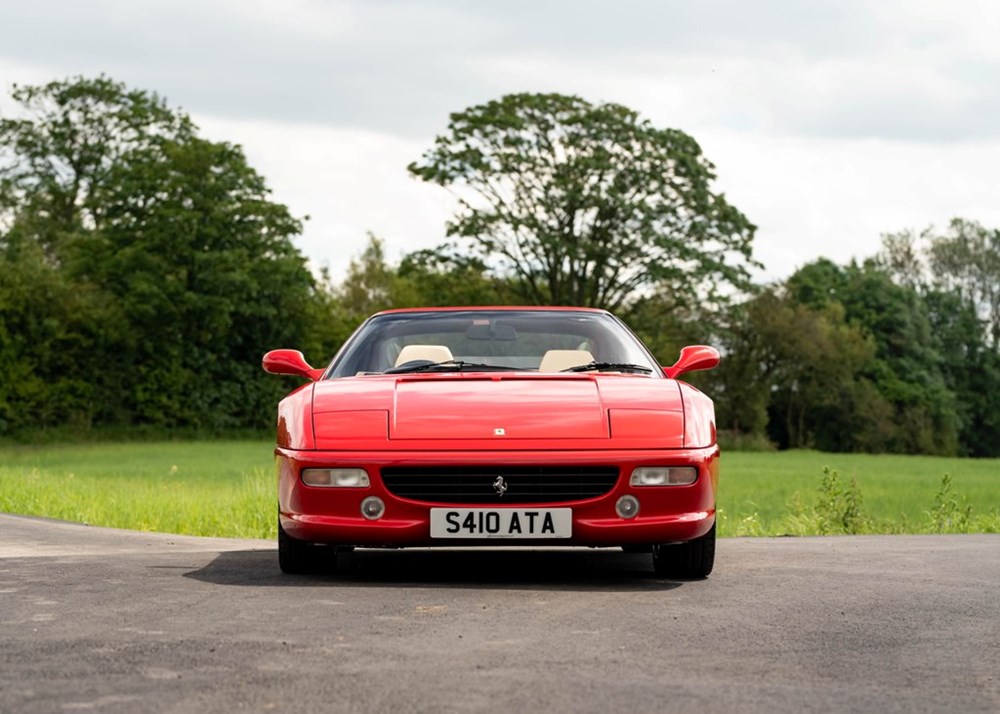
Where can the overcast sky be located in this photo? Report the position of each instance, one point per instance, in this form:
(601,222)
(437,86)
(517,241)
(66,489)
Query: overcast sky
(829,122)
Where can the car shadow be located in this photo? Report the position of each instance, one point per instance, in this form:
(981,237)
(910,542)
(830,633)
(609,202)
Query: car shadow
(591,570)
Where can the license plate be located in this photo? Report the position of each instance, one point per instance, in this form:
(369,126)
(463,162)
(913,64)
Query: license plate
(501,522)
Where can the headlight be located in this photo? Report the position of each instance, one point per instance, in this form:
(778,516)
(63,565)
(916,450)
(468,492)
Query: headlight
(663,476)
(336,478)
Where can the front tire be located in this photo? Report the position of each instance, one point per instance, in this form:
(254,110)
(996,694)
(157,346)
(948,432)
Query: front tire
(690,560)
(297,557)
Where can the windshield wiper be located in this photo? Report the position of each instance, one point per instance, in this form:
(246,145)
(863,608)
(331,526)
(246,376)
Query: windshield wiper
(608,367)
(451,365)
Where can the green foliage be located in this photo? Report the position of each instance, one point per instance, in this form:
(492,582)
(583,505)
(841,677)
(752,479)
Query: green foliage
(145,269)
(792,367)
(665,324)
(838,508)
(441,280)
(971,370)
(423,278)
(908,406)
(584,204)
(957,274)
(203,265)
(950,513)
(734,440)
(805,493)
(57,156)
(966,261)
(48,329)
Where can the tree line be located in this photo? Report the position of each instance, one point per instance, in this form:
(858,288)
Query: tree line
(144,270)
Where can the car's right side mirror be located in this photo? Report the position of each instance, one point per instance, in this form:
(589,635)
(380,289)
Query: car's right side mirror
(692,359)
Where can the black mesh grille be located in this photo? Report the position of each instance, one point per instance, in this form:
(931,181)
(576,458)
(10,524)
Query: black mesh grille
(475,484)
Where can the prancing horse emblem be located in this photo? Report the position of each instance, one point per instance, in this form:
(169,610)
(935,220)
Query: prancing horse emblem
(500,486)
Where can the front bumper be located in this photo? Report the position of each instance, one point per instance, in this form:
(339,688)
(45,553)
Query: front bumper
(332,515)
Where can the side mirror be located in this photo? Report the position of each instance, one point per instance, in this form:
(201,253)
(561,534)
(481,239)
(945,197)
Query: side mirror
(692,359)
(290,362)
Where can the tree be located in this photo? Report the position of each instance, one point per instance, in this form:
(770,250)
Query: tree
(902,256)
(907,368)
(187,265)
(793,372)
(452,280)
(203,264)
(587,204)
(957,275)
(666,324)
(966,260)
(971,370)
(421,278)
(51,330)
(372,284)
(71,135)
(818,361)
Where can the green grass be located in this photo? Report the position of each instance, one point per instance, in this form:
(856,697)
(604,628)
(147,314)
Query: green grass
(778,493)
(227,488)
(211,488)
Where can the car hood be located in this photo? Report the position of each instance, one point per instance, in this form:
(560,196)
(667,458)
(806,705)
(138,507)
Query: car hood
(499,411)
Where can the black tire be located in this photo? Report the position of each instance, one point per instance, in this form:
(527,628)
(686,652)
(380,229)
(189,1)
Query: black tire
(690,560)
(297,557)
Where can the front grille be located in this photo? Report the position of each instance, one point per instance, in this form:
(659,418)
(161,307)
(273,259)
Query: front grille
(475,484)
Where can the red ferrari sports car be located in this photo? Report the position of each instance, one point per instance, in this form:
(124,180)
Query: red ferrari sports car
(515,426)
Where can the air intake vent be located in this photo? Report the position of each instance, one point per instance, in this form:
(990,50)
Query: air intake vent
(479,484)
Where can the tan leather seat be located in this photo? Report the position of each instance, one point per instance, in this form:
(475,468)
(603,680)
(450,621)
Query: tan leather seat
(434,353)
(558,360)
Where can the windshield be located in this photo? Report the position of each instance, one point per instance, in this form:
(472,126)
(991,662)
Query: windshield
(486,340)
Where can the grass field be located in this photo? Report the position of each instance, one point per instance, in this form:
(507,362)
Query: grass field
(787,492)
(215,488)
(226,488)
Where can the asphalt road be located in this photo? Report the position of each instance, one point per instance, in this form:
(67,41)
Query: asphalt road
(94,619)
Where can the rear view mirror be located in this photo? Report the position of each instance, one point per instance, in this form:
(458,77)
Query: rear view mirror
(491,331)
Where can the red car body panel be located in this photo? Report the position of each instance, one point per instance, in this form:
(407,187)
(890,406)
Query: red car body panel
(699,421)
(496,419)
(326,515)
(535,411)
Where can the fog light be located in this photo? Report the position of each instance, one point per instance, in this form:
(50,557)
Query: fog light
(627,507)
(372,508)
(336,478)
(664,476)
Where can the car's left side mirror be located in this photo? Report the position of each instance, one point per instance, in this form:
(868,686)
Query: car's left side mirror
(290,362)
(692,359)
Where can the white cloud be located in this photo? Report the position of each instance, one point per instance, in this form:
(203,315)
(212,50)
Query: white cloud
(830,121)
(835,198)
(349,182)
(918,68)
